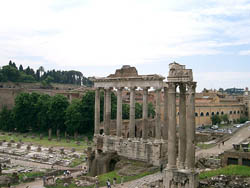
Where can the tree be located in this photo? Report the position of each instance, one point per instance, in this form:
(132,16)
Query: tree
(216,119)
(57,107)
(87,111)
(151,110)
(225,118)
(10,73)
(25,111)
(138,111)
(43,121)
(20,68)
(74,118)
(125,111)
(6,120)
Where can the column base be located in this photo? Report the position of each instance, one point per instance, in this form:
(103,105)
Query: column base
(174,178)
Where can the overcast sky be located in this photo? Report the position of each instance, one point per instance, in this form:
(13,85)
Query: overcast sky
(212,37)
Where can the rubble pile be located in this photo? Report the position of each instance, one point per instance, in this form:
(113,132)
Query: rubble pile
(223,181)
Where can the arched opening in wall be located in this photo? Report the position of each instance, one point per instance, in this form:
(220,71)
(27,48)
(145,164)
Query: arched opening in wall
(238,112)
(212,113)
(196,114)
(99,151)
(234,112)
(150,134)
(101,131)
(222,113)
(178,113)
(140,133)
(128,135)
(112,164)
(231,112)
(217,113)
(241,111)
(207,114)
(202,114)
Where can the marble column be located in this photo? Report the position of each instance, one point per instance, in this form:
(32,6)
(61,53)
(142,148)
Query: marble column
(104,105)
(132,113)
(190,130)
(107,111)
(171,125)
(119,112)
(97,111)
(158,114)
(165,124)
(182,126)
(145,114)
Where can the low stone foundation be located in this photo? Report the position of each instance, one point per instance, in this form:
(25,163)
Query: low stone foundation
(152,151)
(180,178)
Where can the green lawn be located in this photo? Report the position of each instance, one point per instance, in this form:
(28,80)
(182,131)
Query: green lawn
(231,170)
(205,146)
(45,142)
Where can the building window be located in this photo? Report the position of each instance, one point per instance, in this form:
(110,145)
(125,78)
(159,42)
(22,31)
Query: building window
(217,113)
(222,113)
(242,111)
(207,114)
(234,112)
(196,114)
(238,112)
(212,113)
(202,114)
(231,112)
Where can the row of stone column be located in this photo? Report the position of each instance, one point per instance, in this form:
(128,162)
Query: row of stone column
(107,112)
(186,126)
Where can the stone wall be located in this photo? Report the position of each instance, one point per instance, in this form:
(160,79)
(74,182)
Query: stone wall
(238,156)
(149,151)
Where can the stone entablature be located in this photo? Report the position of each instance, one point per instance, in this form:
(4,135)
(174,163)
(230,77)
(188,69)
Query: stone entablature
(179,73)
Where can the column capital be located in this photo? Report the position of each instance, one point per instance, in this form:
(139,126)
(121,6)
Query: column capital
(120,88)
(158,88)
(172,87)
(132,88)
(191,87)
(182,87)
(145,88)
(107,88)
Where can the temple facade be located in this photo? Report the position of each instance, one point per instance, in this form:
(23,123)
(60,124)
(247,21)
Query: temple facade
(162,146)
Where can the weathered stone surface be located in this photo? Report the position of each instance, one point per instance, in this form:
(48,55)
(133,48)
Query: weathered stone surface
(225,182)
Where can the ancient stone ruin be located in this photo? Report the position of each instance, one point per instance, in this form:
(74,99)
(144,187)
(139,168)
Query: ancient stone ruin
(152,141)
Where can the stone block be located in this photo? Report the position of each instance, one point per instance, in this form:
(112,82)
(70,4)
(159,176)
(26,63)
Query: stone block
(62,151)
(18,145)
(28,147)
(51,149)
(39,149)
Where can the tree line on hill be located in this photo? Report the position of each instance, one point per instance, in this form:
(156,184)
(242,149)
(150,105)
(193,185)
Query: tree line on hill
(41,112)
(11,73)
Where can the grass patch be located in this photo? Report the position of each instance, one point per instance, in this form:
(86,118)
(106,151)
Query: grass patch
(30,175)
(205,146)
(104,177)
(45,142)
(231,170)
